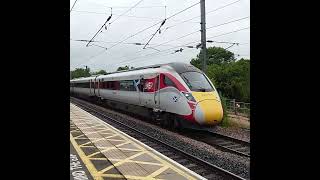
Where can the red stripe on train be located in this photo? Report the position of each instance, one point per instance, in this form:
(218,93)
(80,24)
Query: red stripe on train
(190,117)
(180,87)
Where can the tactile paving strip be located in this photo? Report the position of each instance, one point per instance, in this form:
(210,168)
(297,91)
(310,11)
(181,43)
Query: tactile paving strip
(127,156)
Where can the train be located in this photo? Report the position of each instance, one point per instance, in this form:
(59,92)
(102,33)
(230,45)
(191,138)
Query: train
(176,95)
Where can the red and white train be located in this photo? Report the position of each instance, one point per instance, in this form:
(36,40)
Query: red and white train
(176,94)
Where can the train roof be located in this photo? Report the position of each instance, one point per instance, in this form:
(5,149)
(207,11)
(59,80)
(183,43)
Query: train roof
(83,79)
(179,67)
(183,67)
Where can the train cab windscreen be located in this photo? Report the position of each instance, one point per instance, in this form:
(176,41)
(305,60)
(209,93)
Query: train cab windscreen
(197,82)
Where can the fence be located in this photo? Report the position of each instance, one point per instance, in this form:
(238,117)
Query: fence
(238,108)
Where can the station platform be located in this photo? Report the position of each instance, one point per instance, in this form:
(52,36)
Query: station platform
(100,151)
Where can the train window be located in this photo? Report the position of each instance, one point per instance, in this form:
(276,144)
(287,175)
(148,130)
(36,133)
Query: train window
(141,85)
(197,82)
(83,85)
(127,85)
(168,82)
(110,85)
(102,85)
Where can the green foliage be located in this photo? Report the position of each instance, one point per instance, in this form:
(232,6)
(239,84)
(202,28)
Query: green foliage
(80,72)
(216,55)
(231,77)
(124,68)
(225,121)
(101,72)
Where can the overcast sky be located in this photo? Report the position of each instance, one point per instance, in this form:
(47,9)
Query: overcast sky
(87,17)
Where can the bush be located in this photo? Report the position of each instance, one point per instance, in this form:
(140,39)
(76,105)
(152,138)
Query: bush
(225,120)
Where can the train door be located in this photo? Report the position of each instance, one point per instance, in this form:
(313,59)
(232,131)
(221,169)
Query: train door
(94,86)
(157,91)
(141,91)
(98,87)
(90,86)
(147,97)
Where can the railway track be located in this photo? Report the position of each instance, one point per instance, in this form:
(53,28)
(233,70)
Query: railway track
(201,167)
(220,141)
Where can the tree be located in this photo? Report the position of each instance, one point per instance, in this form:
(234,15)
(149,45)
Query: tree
(230,77)
(99,72)
(216,55)
(80,72)
(124,68)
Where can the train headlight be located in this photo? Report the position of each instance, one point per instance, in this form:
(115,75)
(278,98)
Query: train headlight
(189,96)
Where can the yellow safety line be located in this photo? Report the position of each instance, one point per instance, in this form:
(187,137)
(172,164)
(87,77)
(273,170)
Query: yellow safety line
(157,172)
(128,149)
(120,162)
(110,136)
(85,160)
(79,136)
(122,144)
(95,126)
(172,166)
(115,139)
(96,132)
(76,130)
(98,159)
(96,140)
(126,176)
(87,146)
(139,162)
(104,150)
(84,144)
(166,164)
(108,133)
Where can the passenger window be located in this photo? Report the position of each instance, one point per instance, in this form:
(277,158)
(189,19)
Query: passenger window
(168,82)
(127,85)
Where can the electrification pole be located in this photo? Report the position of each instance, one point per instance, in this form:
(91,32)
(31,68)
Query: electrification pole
(203,35)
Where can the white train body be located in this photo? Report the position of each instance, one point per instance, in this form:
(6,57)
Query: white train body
(160,88)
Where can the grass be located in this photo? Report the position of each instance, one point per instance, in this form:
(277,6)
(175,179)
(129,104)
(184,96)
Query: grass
(225,120)
(236,122)
(228,121)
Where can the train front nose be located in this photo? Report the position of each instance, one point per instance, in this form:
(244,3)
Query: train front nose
(208,112)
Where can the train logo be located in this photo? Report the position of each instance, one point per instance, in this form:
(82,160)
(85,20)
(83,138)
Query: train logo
(175,99)
(149,85)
